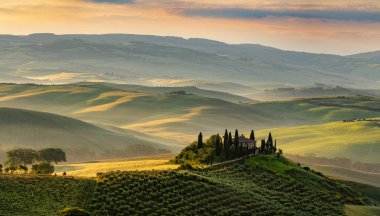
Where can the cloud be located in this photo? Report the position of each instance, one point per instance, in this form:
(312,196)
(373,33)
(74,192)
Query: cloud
(113,1)
(328,14)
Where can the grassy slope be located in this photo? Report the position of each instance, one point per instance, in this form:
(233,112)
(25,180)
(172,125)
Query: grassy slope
(351,175)
(44,196)
(261,186)
(81,140)
(188,89)
(358,141)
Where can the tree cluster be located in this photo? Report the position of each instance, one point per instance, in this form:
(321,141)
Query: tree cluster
(268,147)
(219,149)
(19,160)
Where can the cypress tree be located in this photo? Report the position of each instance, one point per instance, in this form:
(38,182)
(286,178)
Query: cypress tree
(270,143)
(218,146)
(200,140)
(225,143)
(262,148)
(236,142)
(275,146)
(252,135)
(229,144)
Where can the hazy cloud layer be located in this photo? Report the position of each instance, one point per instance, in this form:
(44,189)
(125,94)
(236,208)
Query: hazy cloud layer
(341,15)
(113,1)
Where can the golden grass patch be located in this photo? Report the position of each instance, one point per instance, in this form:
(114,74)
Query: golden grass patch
(143,163)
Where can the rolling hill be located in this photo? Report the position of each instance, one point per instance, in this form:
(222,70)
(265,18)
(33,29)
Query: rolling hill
(350,175)
(358,140)
(80,140)
(320,90)
(139,59)
(178,117)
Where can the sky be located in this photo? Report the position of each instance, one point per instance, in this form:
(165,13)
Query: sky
(319,26)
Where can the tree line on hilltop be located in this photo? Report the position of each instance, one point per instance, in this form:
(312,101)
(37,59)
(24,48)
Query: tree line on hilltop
(219,149)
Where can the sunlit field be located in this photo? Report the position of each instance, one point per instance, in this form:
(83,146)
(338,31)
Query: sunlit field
(90,169)
(358,141)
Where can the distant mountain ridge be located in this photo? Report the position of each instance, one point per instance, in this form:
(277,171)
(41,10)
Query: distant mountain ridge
(138,59)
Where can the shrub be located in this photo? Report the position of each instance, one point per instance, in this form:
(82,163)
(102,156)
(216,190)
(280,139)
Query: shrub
(42,168)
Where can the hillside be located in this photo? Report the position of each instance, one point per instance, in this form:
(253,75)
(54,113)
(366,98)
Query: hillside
(175,118)
(259,186)
(320,90)
(80,140)
(373,57)
(186,90)
(358,140)
(140,59)
(350,175)
(262,185)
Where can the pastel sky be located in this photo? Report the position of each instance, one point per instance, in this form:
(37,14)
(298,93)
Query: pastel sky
(320,26)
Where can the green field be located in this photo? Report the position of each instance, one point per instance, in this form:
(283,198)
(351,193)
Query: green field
(359,141)
(24,195)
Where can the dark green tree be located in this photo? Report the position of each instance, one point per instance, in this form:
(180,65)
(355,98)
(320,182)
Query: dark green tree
(218,146)
(49,155)
(22,157)
(226,147)
(275,146)
(230,143)
(42,168)
(262,147)
(270,143)
(200,141)
(236,143)
(252,135)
